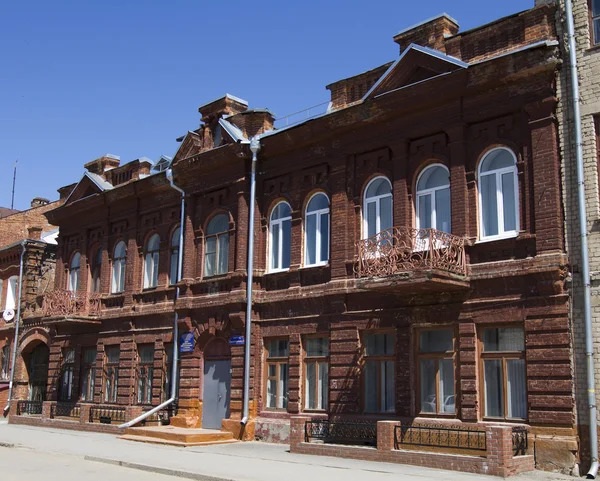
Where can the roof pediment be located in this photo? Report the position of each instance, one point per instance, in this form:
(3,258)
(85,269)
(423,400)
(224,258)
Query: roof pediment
(89,185)
(190,145)
(416,64)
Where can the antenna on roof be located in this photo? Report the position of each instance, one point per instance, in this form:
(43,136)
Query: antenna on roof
(12,202)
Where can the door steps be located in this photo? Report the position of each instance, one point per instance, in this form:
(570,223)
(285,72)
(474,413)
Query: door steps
(175,436)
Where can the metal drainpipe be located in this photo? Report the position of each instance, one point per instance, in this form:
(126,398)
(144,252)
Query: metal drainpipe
(587,299)
(175,370)
(17,322)
(254,147)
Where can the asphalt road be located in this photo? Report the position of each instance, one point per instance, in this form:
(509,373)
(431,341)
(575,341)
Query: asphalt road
(22,464)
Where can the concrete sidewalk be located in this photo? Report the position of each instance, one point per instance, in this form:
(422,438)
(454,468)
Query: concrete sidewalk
(250,461)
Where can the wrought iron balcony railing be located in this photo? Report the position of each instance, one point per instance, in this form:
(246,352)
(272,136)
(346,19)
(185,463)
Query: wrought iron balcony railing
(61,302)
(404,249)
(341,432)
(440,437)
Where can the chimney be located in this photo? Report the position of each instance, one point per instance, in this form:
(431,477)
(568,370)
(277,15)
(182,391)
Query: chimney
(101,164)
(39,202)
(34,233)
(431,33)
(253,122)
(227,105)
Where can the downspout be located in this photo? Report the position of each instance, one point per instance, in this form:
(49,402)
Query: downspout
(17,322)
(254,147)
(587,296)
(175,370)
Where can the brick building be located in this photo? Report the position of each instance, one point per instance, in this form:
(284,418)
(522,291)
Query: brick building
(30,231)
(409,265)
(586,15)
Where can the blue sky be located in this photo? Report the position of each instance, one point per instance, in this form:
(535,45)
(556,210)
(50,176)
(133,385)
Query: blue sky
(80,79)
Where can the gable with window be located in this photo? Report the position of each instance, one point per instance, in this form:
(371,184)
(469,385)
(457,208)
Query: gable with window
(498,195)
(503,359)
(436,371)
(280,237)
(118,268)
(379,359)
(277,365)
(377,207)
(433,199)
(151,262)
(316,231)
(216,254)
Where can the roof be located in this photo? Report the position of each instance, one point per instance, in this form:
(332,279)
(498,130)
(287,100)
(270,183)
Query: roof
(97,180)
(234,132)
(5,212)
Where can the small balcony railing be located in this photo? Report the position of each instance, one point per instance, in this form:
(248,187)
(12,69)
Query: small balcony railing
(404,249)
(61,302)
(447,437)
(29,408)
(107,414)
(341,432)
(65,410)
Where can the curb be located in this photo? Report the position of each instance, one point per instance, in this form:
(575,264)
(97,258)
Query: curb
(156,469)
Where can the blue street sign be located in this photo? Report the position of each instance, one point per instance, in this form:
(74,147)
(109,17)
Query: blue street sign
(186,343)
(236,341)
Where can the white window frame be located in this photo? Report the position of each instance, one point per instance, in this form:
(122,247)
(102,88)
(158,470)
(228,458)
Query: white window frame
(11,293)
(279,223)
(119,266)
(218,254)
(74,270)
(502,234)
(151,263)
(318,214)
(377,200)
(433,193)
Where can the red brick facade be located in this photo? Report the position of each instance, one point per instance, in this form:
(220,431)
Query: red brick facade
(429,109)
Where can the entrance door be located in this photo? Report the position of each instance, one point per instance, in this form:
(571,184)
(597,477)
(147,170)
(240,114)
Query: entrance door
(38,373)
(215,405)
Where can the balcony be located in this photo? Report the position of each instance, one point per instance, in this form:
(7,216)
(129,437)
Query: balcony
(420,260)
(63,303)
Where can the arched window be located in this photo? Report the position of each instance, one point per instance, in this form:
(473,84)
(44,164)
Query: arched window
(118,268)
(96,270)
(498,194)
(74,272)
(151,262)
(316,230)
(377,213)
(280,237)
(216,254)
(433,198)
(11,293)
(174,259)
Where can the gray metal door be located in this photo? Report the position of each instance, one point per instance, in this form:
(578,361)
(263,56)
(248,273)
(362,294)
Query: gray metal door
(215,405)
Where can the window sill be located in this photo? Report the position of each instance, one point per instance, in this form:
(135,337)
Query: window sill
(279,271)
(593,48)
(497,238)
(313,266)
(505,420)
